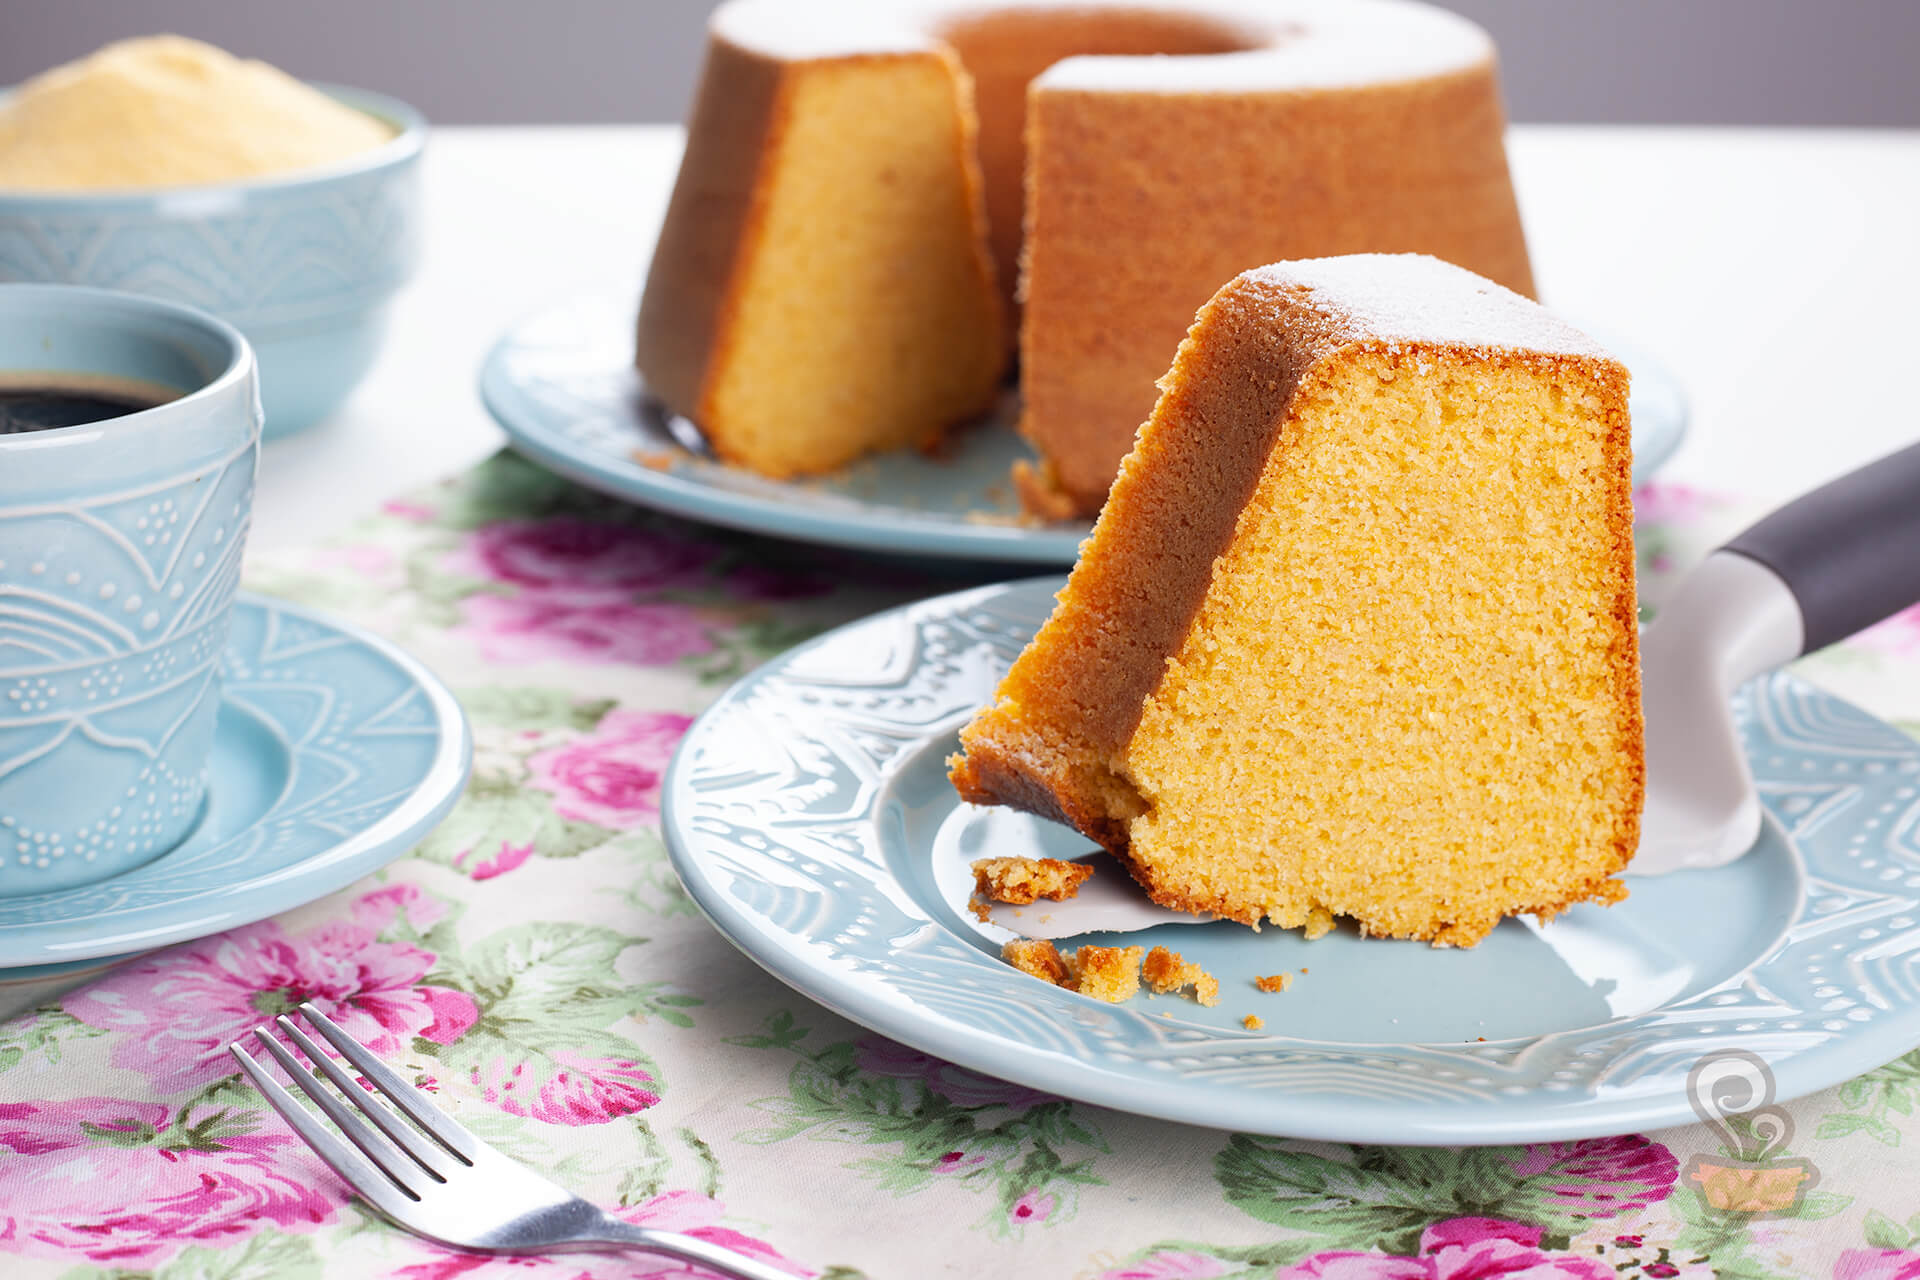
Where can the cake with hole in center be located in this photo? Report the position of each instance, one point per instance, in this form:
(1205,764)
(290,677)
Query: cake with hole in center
(1355,632)
(876,197)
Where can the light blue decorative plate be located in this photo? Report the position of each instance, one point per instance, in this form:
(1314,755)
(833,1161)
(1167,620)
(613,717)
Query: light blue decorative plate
(808,813)
(335,754)
(562,385)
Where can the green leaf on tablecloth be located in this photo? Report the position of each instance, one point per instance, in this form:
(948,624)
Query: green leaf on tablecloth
(1872,1099)
(782,1032)
(506,487)
(1358,1203)
(942,1123)
(546,994)
(703,1152)
(1840,1124)
(40,1035)
(264,1256)
(524,708)
(596,1170)
(499,814)
(651,885)
(1725,1235)
(1383,1197)
(1249,1262)
(575,1077)
(561,976)
(1883,1232)
(1816,1205)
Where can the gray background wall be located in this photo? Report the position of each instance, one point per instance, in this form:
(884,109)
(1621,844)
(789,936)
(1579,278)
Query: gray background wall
(1806,62)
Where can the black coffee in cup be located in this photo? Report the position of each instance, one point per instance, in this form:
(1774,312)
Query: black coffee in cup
(44,402)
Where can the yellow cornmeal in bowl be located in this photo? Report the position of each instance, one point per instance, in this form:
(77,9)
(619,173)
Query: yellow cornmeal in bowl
(166,111)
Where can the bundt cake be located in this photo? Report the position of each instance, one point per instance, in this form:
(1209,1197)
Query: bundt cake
(837,269)
(1355,631)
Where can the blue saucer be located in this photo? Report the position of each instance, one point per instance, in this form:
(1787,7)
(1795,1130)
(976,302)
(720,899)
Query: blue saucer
(561,384)
(809,814)
(335,753)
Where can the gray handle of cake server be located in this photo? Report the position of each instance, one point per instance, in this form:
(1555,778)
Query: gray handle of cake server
(1849,551)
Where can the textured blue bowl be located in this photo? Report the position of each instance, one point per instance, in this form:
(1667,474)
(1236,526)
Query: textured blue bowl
(304,265)
(120,547)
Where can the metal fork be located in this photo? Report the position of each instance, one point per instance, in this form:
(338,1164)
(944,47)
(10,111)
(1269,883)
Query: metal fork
(440,1181)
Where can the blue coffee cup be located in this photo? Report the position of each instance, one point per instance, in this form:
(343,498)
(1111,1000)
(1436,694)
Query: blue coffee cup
(120,545)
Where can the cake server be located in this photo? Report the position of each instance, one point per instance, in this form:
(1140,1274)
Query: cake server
(1824,566)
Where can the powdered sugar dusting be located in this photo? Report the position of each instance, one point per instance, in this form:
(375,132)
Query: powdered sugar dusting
(1306,44)
(1412,298)
(800,32)
(1296,44)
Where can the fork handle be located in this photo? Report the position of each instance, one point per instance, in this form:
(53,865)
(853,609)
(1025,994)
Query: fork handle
(676,1245)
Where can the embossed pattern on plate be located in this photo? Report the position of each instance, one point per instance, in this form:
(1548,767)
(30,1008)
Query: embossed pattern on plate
(335,753)
(807,814)
(561,384)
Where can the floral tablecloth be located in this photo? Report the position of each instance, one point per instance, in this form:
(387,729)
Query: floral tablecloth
(536,965)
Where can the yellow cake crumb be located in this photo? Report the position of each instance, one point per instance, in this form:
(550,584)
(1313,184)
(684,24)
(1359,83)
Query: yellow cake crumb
(1274,982)
(1038,958)
(1166,971)
(1252,1022)
(1107,973)
(657,459)
(1020,881)
(1319,923)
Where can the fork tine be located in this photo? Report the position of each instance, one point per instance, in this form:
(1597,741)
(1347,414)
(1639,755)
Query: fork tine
(394,1165)
(339,1157)
(427,1155)
(408,1099)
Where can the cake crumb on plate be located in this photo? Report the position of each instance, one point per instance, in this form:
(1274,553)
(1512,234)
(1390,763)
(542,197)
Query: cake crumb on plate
(1020,881)
(1105,973)
(1275,981)
(1166,971)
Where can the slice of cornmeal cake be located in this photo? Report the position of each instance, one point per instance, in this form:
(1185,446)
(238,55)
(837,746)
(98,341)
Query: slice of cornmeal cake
(1355,632)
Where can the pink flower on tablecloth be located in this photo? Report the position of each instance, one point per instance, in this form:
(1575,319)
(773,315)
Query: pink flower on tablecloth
(1458,1249)
(367,560)
(570,1088)
(120,1182)
(176,1011)
(611,777)
(1032,1207)
(1600,1177)
(956,1162)
(419,512)
(540,626)
(957,1085)
(1662,502)
(565,554)
(682,1211)
(1898,635)
(1168,1264)
(1877,1264)
(507,859)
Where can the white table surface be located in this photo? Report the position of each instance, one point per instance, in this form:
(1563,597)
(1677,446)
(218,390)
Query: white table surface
(1775,271)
